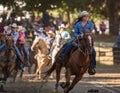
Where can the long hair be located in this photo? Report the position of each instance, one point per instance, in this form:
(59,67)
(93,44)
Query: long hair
(78,20)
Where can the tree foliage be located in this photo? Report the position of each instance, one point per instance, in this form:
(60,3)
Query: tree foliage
(104,8)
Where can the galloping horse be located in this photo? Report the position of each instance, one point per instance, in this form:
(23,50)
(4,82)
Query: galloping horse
(38,54)
(7,59)
(77,63)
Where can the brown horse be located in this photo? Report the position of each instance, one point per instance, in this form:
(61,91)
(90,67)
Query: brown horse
(77,63)
(7,59)
(2,38)
(38,55)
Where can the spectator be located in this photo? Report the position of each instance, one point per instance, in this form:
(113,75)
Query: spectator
(103,27)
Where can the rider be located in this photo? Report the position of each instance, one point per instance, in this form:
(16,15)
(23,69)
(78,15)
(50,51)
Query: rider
(65,36)
(50,37)
(62,36)
(81,25)
(39,34)
(21,41)
(15,35)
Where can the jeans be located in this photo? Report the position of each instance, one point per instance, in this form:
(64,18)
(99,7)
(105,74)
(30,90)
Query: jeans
(16,50)
(2,47)
(25,51)
(67,47)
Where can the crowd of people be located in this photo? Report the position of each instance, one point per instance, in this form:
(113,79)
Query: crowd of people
(21,30)
(46,28)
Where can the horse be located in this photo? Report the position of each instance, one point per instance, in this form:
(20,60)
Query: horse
(2,38)
(39,55)
(76,62)
(7,60)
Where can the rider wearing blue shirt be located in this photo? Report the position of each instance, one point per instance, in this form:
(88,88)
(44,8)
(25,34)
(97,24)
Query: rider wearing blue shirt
(79,29)
(83,24)
(15,35)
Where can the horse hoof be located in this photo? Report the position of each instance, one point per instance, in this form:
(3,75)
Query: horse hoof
(93,90)
(62,84)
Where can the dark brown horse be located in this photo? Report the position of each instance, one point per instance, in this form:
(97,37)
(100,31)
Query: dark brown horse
(2,38)
(77,63)
(7,59)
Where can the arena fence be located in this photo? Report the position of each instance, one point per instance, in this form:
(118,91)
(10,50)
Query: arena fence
(106,53)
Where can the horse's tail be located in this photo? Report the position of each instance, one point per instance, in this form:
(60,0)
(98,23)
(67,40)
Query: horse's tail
(48,73)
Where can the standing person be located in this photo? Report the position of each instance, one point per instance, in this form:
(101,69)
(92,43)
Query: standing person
(21,41)
(46,18)
(103,27)
(83,23)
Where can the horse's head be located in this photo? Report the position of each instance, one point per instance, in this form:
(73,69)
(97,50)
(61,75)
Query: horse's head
(85,41)
(40,44)
(88,37)
(9,41)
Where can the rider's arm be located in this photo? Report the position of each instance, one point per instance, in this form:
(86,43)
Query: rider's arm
(91,26)
(77,30)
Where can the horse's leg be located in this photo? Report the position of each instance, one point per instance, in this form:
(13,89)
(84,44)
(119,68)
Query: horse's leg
(58,70)
(53,60)
(40,69)
(21,74)
(29,69)
(74,82)
(6,74)
(37,66)
(67,76)
(15,72)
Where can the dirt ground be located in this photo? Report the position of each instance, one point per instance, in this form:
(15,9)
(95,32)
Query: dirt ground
(106,77)
(106,80)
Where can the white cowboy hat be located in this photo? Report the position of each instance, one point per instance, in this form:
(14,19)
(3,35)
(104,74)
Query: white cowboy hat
(6,27)
(14,25)
(21,28)
(83,13)
(40,29)
(61,26)
(51,33)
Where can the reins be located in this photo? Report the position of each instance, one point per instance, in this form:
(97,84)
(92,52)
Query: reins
(80,48)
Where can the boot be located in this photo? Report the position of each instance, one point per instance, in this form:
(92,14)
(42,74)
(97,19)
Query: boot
(21,67)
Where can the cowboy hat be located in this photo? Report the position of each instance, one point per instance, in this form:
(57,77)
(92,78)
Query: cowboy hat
(6,27)
(51,33)
(62,26)
(40,29)
(14,25)
(83,13)
(21,28)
